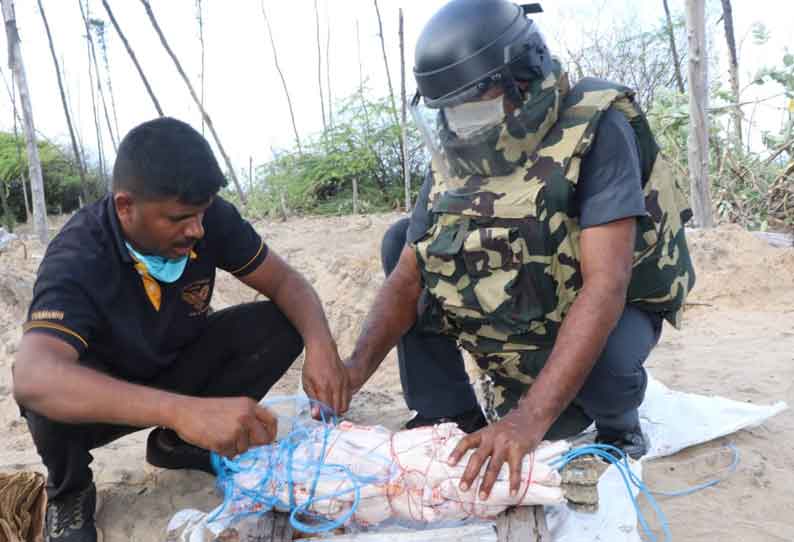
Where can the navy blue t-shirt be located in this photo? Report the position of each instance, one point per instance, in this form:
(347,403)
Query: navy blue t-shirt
(609,186)
(89,294)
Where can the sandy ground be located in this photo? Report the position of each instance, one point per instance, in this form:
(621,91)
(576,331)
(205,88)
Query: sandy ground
(738,342)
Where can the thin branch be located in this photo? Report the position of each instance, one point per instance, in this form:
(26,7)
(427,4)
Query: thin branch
(92,58)
(319,66)
(77,157)
(133,57)
(283,80)
(231,172)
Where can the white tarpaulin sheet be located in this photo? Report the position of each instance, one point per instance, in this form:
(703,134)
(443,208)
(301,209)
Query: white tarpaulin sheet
(672,421)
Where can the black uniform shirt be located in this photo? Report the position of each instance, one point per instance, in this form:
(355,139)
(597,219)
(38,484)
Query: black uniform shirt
(609,186)
(89,294)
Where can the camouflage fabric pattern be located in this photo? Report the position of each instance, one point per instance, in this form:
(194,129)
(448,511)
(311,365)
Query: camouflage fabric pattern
(500,261)
(506,377)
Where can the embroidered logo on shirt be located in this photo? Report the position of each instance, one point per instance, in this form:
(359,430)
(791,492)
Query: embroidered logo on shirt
(46,315)
(197,295)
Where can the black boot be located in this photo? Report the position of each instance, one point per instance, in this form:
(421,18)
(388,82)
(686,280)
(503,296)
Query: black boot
(70,517)
(633,443)
(468,422)
(166,450)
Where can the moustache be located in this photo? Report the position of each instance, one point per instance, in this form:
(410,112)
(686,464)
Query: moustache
(188,243)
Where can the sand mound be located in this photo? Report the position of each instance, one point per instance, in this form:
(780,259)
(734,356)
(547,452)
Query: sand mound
(737,269)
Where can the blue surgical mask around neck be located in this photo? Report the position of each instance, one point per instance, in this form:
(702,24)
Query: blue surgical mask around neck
(162,269)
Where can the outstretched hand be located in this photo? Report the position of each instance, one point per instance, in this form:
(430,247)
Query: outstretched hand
(508,440)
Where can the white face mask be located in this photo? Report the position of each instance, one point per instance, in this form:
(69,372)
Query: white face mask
(470,118)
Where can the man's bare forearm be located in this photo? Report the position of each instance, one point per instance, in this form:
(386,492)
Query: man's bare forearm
(391,316)
(607,253)
(581,339)
(68,392)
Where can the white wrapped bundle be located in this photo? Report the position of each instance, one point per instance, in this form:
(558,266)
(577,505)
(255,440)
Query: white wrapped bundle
(368,475)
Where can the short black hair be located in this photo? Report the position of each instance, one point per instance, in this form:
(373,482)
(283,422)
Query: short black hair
(165,158)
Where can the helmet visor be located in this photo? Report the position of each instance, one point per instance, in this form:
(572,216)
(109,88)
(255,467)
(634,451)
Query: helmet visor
(462,140)
(469,119)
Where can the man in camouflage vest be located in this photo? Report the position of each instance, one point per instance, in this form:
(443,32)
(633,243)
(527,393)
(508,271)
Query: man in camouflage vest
(547,241)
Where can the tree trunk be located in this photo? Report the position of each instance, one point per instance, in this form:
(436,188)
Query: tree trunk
(698,119)
(207,120)
(403,124)
(733,71)
(355,196)
(34,163)
(679,80)
(75,148)
(133,57)
(319,66)
(92,59)
(200,18)
(283,81)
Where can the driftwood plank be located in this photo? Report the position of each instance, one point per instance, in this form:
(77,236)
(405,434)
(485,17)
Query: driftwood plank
(475,532)
(523,524)
(270,527)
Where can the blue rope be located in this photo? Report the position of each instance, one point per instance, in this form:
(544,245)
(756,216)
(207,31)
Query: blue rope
(711,483)
(266,460)
(618,458)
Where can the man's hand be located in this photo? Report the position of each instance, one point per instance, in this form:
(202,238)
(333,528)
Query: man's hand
(227,426)
(509,439)
(325,379)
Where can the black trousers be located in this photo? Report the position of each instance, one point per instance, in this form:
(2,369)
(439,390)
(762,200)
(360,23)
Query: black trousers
(244,351)
(435,382)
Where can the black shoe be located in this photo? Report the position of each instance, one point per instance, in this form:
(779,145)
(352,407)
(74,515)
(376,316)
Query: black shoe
(633,443)
(70,517)
(166,450)
(468,422)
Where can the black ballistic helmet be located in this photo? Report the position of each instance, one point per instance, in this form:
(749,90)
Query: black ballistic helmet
(469,45)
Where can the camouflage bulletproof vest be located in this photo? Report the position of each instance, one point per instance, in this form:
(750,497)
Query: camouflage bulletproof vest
(500,261)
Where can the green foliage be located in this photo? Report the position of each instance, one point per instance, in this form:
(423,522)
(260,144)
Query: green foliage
(62,189)
(363,144)
(751,187)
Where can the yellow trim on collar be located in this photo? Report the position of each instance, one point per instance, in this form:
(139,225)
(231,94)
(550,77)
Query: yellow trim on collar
(150,285)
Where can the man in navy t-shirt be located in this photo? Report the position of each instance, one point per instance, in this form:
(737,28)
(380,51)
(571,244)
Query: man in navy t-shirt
(120,334)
